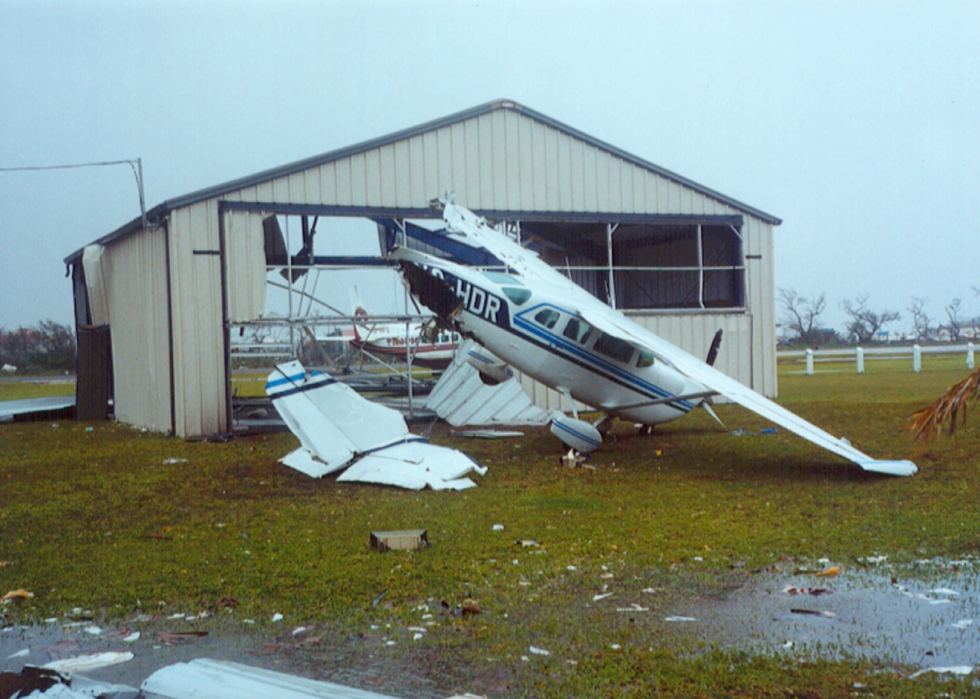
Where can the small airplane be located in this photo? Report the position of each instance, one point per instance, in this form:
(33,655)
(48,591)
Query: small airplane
(429,346)
(340,430)
(535,319)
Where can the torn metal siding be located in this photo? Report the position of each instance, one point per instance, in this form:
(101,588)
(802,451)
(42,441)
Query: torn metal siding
(136,290)
(461,398)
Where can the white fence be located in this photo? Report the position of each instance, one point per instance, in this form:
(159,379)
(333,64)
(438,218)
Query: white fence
(858,354)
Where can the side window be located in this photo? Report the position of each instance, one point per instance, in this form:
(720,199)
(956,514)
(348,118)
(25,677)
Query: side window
(516,294)
(644,360)
(614,348)
(548,317)
(578,330)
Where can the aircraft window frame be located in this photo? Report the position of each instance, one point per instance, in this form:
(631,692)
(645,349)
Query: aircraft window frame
(613,347)
(582,330)
(517,295)
(550,318)
(502,278)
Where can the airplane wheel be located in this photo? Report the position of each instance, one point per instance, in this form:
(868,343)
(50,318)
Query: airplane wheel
(646,430)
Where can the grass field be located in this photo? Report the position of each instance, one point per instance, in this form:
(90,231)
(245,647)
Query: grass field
(97,515)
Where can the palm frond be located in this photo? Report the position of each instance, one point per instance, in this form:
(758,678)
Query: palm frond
(949,407)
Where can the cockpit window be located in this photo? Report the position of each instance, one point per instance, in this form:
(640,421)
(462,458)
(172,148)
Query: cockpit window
(644,360)
(501,278)
(578,330)
(614,348)
(517,294)
(548,317)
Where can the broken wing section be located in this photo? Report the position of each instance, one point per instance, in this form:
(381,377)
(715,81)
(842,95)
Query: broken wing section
(337,428)
(715,380)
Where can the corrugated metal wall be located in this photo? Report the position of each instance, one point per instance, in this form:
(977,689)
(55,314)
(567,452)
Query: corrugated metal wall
(136,288)
(199,349)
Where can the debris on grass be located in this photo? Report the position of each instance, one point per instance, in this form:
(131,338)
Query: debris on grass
(573,459)
(179,636)
(815,591)
(961,670)
(813,612)
(87,663)
(16,594)
(400,540)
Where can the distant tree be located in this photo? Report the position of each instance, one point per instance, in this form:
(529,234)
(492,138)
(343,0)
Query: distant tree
(921,322)
(865,323)
(955,323)
(48,347)
(800,315)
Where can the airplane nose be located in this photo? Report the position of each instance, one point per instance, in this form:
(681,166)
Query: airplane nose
(431,291)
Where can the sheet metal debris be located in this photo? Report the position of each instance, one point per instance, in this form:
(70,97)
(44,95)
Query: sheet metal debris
(87,663)
(461,398)
(36,408)
(338,429)
(214,679)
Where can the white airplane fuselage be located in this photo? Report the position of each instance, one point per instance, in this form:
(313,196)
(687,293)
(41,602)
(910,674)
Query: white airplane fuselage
(542,333)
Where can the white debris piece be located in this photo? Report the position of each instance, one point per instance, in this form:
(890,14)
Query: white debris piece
(214,679)
(87,663)
(338,429)
(539,651)
(961,670)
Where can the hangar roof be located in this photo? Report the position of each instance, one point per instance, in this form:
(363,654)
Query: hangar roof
(161,210)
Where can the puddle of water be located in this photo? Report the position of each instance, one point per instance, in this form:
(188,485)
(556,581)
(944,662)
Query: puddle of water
(929,618)
(932,620)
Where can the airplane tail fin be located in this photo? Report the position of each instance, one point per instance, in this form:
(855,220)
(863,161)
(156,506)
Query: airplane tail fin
(357,310)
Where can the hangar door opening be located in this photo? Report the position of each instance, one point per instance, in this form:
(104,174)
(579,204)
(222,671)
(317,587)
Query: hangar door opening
(315,287)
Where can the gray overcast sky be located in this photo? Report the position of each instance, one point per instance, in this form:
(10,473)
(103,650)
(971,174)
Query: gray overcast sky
(855,122)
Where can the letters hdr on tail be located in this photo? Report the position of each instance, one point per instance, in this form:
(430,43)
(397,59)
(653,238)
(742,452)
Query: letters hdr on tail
(338,429)
(535,319)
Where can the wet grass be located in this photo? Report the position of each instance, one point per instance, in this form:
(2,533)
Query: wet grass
(96,515)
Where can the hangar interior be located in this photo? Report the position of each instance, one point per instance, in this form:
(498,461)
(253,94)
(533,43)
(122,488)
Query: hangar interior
(162,304)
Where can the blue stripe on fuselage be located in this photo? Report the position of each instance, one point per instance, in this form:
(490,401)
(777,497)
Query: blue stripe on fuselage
(557,345)
(562,347)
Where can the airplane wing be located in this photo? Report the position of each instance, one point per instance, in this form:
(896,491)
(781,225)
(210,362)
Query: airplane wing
(473,230)
(338,429)
(725,385)
(470,229)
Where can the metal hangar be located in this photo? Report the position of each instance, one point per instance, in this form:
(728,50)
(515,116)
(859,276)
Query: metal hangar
(156,299)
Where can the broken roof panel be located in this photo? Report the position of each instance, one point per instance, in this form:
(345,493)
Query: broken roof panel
(461,398)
